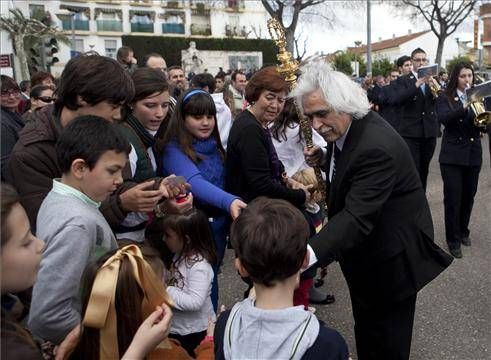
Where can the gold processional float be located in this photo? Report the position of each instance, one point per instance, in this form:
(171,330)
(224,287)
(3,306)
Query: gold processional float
(288,68)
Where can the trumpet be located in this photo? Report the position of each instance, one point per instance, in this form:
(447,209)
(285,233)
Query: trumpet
(476,95)
(482,118)
(434,87)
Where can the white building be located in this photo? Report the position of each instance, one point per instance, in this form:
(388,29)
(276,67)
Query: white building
(404,45)
(99,24)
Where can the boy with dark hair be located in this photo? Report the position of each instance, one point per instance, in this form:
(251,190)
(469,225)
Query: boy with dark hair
(89,85)
(270,240)
(404,64)
(204,81)
(91,154)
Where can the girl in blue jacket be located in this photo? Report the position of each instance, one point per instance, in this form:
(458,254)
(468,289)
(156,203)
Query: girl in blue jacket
(192,148)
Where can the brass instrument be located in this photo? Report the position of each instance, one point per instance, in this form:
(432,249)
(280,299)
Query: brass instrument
(475,97)
(288,68)
(482,118)
(434,87)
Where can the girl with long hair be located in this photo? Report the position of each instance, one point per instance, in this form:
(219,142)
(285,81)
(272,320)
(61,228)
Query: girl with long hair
(192,148)
(190,275)
(460,156)
(118,291)
(145,118)
(288,139)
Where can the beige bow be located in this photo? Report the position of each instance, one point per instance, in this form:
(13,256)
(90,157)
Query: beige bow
(101,312)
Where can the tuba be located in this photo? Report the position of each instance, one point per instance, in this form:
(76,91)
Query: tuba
(475,96)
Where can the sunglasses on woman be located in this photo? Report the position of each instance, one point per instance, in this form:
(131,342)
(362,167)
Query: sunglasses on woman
(45,99)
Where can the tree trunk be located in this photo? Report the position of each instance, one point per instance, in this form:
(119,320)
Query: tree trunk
(21,55)
(439,51)
(290,39)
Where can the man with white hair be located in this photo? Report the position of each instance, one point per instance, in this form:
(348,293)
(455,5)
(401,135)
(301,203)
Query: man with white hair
(380,227)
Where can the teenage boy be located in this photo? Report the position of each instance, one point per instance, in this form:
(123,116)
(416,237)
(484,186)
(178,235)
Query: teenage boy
(89,85)
(270,240)
(92,154)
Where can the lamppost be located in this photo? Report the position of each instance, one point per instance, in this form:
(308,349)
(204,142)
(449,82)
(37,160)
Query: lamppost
(369,40)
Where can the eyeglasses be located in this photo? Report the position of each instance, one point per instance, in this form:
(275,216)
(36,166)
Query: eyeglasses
(8,93)
(45,99)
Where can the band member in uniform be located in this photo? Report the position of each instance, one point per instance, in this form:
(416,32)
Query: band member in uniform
(380,227)
(460,157)
(418,125)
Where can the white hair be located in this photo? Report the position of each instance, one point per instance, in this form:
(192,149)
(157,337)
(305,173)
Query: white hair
(341,93)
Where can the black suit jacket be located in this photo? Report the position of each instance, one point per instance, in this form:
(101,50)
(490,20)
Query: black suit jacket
(390,111)
(461,142)
(380,227)
(418,118)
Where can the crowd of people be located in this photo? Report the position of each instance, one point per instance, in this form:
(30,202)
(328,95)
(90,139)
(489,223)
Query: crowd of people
(123,186)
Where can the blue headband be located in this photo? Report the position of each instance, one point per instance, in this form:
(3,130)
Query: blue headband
(191,93)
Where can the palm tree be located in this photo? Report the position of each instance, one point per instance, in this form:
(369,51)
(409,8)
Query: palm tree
(24,32)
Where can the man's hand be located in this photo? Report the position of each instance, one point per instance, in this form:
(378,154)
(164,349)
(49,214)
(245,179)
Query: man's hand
(65,349)
(313,156)
(140,199)
(171,206)
(423,80)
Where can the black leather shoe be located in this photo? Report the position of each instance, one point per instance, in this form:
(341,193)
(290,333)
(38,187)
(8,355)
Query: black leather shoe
(456,252)
(466,241)
(329,299)
(318,297)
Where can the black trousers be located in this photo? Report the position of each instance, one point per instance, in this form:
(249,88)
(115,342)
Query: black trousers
(422,150)
(384,332)
(459,189)
(189,342)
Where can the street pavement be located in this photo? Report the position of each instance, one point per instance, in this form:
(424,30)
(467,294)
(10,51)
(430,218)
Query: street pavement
(453,312)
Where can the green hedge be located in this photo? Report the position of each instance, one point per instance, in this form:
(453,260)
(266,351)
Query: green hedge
(170,47)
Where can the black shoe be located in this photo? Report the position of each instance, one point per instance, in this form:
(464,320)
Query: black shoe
(318,282)
(317,297)
(466,241)
(456,252)
(329,299)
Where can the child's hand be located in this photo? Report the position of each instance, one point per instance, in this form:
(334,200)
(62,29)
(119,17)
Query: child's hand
(151,332)
(140,198)
(171,188)
(236,207)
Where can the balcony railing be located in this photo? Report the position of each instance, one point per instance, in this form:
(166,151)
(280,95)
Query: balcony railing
(199,29)
(200,10)
(109,25)
(77,24)
(235,5)
(173,28)
(139,27)
(172,4)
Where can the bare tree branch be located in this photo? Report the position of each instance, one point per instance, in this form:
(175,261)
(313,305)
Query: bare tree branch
(443,16)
